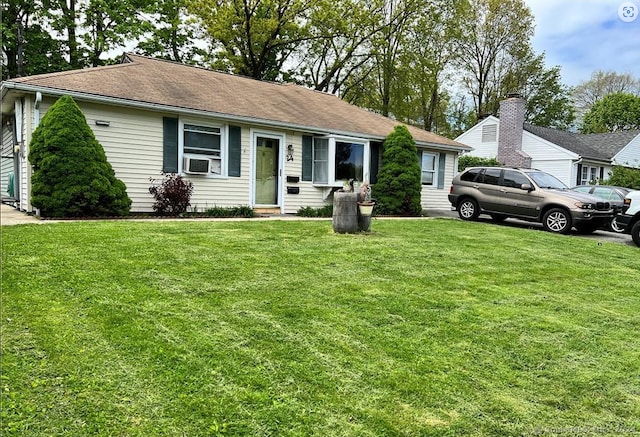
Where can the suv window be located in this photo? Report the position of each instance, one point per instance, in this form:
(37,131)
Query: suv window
(514,179)
(491,176)
(470,175)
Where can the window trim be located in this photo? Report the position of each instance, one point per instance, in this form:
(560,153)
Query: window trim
(590,170)
(331,160)
(224,146)
(436,164)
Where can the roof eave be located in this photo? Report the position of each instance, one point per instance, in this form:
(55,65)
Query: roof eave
(22,87)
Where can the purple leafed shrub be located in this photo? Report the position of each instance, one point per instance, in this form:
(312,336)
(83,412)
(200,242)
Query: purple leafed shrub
(173,194)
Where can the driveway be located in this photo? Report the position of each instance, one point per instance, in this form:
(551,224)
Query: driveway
(598,235)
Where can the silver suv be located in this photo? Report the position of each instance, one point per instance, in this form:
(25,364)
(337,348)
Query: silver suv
(526,194)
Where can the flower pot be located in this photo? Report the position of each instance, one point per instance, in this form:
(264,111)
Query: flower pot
(365,210)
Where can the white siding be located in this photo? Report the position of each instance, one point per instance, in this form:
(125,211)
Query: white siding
(437,198)
(473,138)
(309,194)
(630,154)
(6,163)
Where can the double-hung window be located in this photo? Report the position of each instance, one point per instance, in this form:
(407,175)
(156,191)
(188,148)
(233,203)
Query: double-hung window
(338,159)
(429,166)
(203,148)
(321,161)
(589,175)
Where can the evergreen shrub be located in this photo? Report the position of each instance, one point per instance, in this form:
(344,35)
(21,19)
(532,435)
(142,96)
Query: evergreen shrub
(399,186)
(71,174)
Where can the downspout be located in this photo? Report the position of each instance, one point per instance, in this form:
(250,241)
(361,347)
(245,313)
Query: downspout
(36,112)
(34,125)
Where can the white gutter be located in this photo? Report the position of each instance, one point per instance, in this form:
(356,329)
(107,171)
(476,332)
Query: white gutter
(187,111)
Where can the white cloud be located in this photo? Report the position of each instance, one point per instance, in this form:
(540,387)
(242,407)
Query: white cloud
(586,35)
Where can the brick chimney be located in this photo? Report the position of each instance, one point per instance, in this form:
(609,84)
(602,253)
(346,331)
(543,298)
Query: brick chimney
(510,133)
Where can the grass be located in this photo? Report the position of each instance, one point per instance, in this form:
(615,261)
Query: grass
(423,327)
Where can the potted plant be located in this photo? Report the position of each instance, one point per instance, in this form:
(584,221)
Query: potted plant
(365,207)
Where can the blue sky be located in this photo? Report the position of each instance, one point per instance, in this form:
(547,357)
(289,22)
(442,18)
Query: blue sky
(586,35)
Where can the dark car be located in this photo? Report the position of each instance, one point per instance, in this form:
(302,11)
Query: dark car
(613,194)
(527,194)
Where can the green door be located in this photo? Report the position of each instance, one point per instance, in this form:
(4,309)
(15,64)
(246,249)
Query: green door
(267,170)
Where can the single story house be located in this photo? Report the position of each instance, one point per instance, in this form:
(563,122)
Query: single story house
(274,147)
(575,159)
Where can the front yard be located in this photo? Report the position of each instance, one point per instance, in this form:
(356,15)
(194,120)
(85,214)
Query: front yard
(423,327)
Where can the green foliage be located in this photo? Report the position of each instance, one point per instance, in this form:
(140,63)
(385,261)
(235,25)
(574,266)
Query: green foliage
(307,211)
(173,194)
(624,177)
(233,211)
(71,174)
(618,111)
(494,35)
(399,186)
(600,85)
(466,161)
(253,38)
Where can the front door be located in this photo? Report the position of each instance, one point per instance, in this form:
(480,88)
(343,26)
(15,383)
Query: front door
(267,170)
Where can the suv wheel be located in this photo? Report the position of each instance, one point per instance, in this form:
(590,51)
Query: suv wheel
(468,209)
(557,220)
(635,233)
(615,226)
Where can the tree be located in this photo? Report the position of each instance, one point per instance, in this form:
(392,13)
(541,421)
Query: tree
(109,24)
(71,174)
(254,37)
(399,186)
(624,177)
(618,111)
(600,85)
(172,33)
(339,44)
(493,34)
(548,101)
(27,49)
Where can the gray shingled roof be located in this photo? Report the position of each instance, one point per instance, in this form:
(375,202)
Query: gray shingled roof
(601,147)
(143,80)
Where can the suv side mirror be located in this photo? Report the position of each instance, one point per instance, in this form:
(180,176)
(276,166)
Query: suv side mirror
(526,187)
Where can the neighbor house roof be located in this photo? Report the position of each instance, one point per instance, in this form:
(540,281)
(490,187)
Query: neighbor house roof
(140,80)
(601,147)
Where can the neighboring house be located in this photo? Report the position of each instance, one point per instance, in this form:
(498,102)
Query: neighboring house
(575,159)
(274,147)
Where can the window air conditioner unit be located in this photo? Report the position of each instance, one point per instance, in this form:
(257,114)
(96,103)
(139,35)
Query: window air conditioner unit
(196,165)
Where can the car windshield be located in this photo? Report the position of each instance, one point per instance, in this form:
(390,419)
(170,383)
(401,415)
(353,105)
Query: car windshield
(545,180)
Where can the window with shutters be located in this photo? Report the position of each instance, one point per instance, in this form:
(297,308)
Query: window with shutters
(429,167)
(203,147)
(338,159)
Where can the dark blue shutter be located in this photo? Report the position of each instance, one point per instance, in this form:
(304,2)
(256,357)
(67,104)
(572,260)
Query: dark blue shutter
(235,150)
(307,158)
(601,173)
(169,145)
(579,178)
(442,162)
(374,162)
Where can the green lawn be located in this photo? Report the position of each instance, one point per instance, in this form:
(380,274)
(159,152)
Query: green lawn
(250,328)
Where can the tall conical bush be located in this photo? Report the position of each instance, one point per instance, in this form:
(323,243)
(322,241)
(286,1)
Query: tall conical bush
(71,174)
(399,186)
